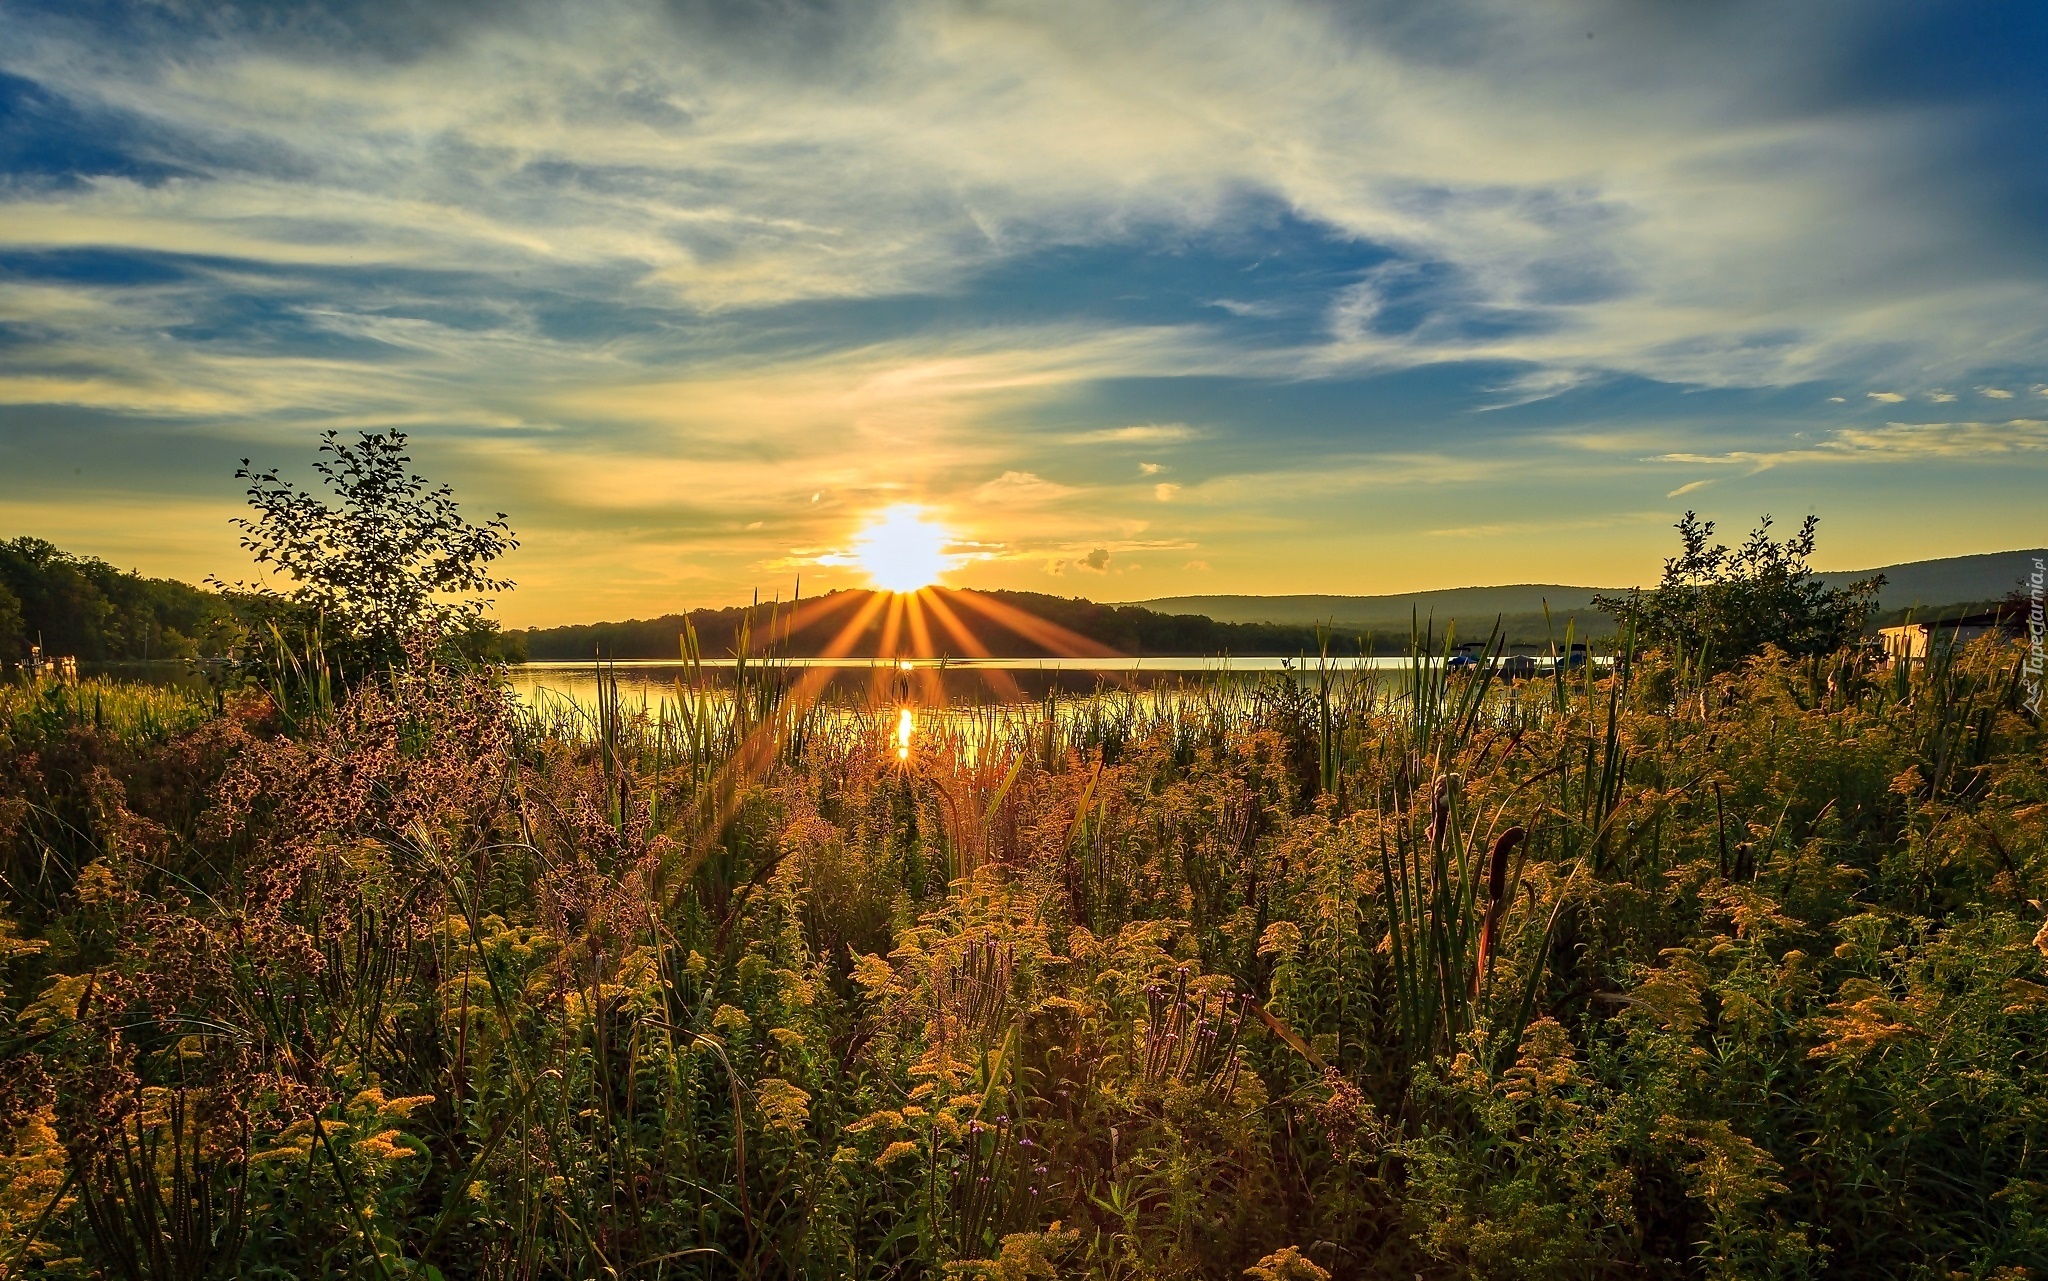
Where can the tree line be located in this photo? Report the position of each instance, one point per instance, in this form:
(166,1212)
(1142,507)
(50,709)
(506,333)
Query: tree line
(83,606)
(1125,629)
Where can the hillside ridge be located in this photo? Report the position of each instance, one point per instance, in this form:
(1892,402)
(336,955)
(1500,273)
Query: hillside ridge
(1928,583)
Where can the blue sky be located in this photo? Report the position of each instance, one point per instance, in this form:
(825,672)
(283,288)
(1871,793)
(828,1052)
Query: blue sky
(1136,299)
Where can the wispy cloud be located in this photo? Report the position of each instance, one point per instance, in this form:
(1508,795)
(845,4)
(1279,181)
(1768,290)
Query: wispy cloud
(1894,442)
(655,278)
(1020,487)
(1135,434)
(1507,529)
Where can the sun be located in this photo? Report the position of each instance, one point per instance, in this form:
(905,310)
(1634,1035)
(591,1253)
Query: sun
(901,550)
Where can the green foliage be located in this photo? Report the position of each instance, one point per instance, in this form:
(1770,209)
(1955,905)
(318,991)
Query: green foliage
(1719,605)
(82,606)
(1420,974)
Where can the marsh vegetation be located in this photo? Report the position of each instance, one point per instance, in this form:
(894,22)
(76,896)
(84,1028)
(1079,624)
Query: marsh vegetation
(1661,971)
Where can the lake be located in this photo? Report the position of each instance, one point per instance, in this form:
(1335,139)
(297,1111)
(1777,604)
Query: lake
(927,681)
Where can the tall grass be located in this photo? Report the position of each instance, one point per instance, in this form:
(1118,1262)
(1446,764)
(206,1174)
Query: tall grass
(1631,969)
(128,713)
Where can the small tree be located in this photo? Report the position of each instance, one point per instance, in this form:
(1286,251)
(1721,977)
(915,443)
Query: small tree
(1724,604)
(390,558)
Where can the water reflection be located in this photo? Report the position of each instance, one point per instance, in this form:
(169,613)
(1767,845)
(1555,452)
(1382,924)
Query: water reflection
(922,683)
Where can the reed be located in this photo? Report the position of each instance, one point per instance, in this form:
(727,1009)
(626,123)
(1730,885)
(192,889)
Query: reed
(1635,966)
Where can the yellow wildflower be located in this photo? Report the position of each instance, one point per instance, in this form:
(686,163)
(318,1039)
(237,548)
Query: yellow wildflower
(58,1004)
(892,1120)
(95,883)
(1281,939)
(783,1106)
(872,973)
(402,1108)
(1286,1265)
(384,1146)
(895,1152)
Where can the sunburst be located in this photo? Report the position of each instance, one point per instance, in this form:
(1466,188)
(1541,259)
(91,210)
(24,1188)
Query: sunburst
(903,549)
(904,552)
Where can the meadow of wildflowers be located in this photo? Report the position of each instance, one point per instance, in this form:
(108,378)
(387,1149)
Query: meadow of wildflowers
(1622,972)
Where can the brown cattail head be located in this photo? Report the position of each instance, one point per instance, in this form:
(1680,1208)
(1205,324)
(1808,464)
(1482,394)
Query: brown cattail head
(1496,902)
(1497,869)
(1440,807)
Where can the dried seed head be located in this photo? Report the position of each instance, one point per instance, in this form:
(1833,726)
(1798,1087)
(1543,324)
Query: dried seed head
(1497,871)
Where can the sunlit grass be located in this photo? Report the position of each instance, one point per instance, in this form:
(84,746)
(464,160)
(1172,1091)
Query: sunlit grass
(125,711)
(775,980)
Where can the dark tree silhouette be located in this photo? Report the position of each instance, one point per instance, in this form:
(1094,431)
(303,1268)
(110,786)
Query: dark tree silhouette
(390,557)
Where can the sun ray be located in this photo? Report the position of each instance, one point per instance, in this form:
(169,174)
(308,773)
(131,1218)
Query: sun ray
(855,628)
(806,615)
(756,752)
(1061,641)
(892,629)
(921,646)
(1004,684)
(900,612)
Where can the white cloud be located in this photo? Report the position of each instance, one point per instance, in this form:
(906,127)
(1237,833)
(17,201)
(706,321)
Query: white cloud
(1020,488)
(1896,442)
(1165,492)
(1885,397)
(1136,434)
(1688,488)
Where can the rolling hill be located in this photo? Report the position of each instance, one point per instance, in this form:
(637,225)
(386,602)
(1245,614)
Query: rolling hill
(1926,584)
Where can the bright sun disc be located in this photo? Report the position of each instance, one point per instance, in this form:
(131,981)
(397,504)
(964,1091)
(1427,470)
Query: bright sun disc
(902,551)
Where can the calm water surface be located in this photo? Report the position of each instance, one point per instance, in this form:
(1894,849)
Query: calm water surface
(925,681)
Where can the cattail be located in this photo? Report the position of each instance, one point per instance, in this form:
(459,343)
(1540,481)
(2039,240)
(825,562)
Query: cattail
(1496,901)
(1440,807)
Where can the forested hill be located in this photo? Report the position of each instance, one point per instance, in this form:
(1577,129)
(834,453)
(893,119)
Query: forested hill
(808,630)
(84,607)
(1922,586)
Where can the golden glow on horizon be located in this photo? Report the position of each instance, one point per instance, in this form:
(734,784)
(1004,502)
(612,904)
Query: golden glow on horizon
(901,550)
(905,725)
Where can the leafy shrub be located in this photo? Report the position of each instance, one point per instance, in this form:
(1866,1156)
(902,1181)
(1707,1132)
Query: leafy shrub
(389,559)
(1719,606)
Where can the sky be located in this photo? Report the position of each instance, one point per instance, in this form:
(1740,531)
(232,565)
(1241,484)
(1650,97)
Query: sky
(1134,300)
